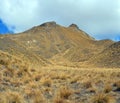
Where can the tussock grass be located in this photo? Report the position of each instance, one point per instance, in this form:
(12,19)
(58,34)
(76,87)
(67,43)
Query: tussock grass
(103,98)
(58,85)
(46,81)
(64,92)
(58,100)
(107,88)
(11,97)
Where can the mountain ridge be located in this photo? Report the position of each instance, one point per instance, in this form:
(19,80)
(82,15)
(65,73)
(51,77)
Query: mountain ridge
(51,43)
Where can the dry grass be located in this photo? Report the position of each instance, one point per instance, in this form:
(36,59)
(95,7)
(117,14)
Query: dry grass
(92,90)
(103,98)
(74,79)
(11,97)
(117,84)
(87,84)
(64,92)
(58,100)
(2,98)
(58,85)
(62,79)
(38,97)
(107,88)
(46,81)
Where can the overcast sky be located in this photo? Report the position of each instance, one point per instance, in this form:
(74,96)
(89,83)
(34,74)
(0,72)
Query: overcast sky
(99,18)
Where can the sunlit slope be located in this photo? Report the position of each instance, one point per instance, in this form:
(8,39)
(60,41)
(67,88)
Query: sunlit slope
(109,57)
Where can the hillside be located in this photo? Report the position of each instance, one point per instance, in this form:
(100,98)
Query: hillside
(15,48)
(12,62)
(53,44)
(50,39)
(51,63)
(109,57)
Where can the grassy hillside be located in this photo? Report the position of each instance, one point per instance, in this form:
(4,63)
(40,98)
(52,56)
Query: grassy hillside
(54,84)
(12,62)
(19,50)
(109,57)
(55,64)
(51,43)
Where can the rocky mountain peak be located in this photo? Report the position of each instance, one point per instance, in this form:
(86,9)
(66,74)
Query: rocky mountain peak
(49,24)
(74,26)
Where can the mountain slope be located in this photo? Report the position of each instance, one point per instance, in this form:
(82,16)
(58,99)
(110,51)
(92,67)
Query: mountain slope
(50,43)
(16,49)
(12,62)
(109,57)
(51,40)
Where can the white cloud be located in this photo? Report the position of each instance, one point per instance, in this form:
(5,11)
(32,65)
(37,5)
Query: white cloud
(100,18)
(19,13)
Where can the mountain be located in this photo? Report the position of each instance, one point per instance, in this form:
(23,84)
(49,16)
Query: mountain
(109,57)
(50,39)
(10,61)
(53,44)
(15,48)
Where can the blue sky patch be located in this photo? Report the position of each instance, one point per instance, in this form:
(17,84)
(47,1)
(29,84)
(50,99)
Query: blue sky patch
(3,28)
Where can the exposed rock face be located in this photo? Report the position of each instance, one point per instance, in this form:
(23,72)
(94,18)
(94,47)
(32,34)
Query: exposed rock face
(74,26)
(49,24)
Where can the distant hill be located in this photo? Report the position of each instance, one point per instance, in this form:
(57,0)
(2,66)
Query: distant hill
(53,44)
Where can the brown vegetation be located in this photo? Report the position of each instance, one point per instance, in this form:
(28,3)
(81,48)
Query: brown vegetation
(55,64)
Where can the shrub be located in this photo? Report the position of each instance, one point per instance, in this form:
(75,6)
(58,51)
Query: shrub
(59,100)
(107,88)
(87,84)
(2,98)
(103,98)
(117,84)
(14,97)
(4,61)
(65,92)
(37,77)
(46,82)
(35,96)
(74,80)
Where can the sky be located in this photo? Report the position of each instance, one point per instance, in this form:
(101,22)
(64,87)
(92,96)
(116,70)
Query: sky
(99,18)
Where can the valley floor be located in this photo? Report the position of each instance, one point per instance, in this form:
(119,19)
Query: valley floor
(58,84)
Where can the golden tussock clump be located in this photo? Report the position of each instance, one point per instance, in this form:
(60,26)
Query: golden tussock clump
(103,98)
(117,84)
(58,100)
(46,81)
(107,88)
(11,97)
(64,92)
